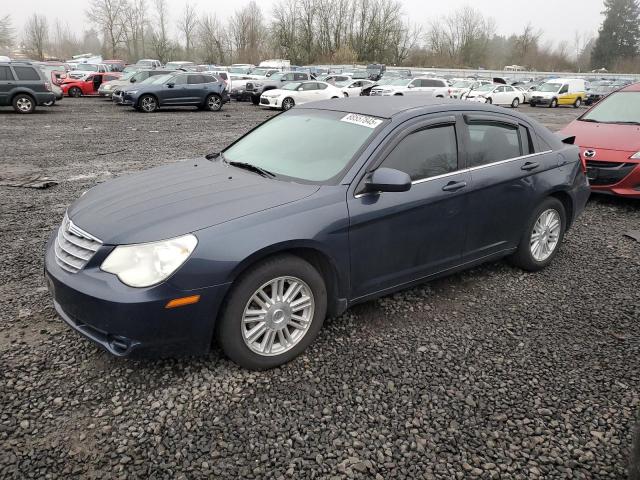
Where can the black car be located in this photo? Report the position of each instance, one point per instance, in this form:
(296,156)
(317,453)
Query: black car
(23,86)
(177,89)
(319,208)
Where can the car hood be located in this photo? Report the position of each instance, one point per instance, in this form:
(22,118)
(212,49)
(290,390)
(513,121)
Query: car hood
(176,199)
(117,83)
(607,136)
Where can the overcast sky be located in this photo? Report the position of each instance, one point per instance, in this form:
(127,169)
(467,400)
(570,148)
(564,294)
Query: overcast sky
(558,20)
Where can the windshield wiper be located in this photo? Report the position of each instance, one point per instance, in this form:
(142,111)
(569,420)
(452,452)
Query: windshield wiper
(588,120)
(626,123)
(252,168)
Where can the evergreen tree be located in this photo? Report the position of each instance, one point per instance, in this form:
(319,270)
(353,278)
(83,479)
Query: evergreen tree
(619,35)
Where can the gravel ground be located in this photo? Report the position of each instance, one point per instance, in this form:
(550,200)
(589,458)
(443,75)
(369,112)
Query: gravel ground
(493,373)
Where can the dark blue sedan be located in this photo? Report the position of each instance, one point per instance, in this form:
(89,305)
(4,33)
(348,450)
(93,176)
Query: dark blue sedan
(176,89)
(316,210)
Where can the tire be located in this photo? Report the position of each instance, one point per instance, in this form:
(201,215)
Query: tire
(49,104)
(346,95)
(489,101)
(255,100)
(147,104)
(515,103)
(532,105)
(288,103)
(524,256)
(577,103)
(553,103)
(234,331)
(334,98)
(75,92)
(398,95)
(213,103)
(24,103)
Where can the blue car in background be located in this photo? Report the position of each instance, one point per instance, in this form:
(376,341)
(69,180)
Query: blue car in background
(317,209)
(177,89)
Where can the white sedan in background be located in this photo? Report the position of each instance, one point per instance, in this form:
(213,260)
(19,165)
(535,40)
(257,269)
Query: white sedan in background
(297,93)
(437,87)
(497,95)
(352,88)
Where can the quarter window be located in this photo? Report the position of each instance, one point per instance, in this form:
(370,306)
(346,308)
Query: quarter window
(26,73)
(425,153)
(195,79)
(490,142)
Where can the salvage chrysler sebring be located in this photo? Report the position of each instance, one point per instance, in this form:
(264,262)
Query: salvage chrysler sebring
(315,210)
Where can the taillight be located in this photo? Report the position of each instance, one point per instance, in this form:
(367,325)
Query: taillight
(47,85)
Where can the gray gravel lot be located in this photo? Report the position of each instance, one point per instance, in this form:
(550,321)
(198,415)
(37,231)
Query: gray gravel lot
(493,373)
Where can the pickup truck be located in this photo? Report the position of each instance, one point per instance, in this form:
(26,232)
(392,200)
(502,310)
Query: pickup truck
(277,80)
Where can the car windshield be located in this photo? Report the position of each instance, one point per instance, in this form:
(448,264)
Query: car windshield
(87,68)
(549,87)
(291,86)
(308,145)
(343,83)
(619,107)
(462,84)
(158,78)
(259,71)
(128,75)
(276,76)
(399,82)
(241,70)
(486,88)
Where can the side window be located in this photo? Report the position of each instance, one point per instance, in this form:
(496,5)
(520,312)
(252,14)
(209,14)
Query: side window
(90,78)
(492,142)
(195,79)
(288,77)
(26,73)
(322,86)
(210,79)
(300,76)
(179,80)
(310,86)
(108,78)
(416,83)
(425,153)
(5,74)
(508,89)
(527,141)
(564,89)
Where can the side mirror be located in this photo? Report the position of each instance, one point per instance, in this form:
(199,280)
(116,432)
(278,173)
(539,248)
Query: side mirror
(300,89)
(411,85)
(388,180)
(171,85)
(133,80)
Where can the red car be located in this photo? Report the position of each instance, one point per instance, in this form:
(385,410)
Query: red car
(87,86)
(609,139)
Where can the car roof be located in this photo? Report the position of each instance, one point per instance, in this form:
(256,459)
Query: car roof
(388,107)
(634,87)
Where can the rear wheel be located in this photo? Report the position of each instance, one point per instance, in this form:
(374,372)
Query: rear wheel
(23,103)
(288,103)
(542,237)
(75,92)
(213,103)
(148,104)
(50,103)
(515,103)
(273,312)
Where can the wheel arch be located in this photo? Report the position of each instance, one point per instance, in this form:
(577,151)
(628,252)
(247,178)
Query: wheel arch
(21,91)
(313,254)
(567,203)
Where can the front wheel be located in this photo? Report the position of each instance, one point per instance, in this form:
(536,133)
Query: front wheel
(577,103)
(273,313)
(213,103)
(75,92)
(489,101)
(255,100)
(542,237)
(515,103)
(554,103)
(288,103)
(23,103)
(148,104)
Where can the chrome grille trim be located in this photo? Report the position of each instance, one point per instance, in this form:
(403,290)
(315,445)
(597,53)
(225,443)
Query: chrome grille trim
(74,247)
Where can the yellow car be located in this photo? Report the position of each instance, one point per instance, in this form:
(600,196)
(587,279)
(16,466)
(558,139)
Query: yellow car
(560,91)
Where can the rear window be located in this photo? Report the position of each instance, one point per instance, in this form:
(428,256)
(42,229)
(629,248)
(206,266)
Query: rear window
(432,83)
(26,73)
(5,73)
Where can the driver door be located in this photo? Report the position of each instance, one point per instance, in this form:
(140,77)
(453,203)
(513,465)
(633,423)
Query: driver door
(399,237)
(174,91)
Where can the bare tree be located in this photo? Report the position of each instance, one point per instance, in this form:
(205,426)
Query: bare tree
(135,22)
(248,33)
(187,24)
(6,33)
(160,40)
(108,17)
(37,35)
(211,39)
(64,42)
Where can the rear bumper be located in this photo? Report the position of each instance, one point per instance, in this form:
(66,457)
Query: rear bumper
(132,321)
(45,97)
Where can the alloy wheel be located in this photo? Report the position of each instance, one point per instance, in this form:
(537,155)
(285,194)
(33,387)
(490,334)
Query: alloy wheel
(24,104)
(277,316)
(214,103)
(148,104)
(545,235)
(287,104)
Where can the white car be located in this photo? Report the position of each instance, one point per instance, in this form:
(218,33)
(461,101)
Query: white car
(297,93)
(461,88)
(85,69)
(497,95)
(409,86)
(526,93)
(352,88)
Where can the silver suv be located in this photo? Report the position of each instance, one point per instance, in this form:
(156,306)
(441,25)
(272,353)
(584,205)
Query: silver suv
(277,80)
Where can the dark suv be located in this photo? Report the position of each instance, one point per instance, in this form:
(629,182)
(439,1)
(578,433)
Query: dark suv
(177,89)
(23,86)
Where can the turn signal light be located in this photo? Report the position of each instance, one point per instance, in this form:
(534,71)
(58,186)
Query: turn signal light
(181,302)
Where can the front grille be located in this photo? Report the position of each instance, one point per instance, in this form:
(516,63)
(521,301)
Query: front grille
(375,93)
(74,247)
(264,101)
(608,173)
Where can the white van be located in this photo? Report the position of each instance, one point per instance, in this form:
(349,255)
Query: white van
(559,91)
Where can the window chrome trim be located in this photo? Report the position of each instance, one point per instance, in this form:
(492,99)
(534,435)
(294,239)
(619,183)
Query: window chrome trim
(467,170)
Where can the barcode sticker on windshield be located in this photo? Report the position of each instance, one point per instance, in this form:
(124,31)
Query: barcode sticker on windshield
(362,120)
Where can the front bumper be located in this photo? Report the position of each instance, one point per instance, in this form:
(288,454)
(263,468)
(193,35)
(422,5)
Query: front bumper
(621,178)
(129,321)
(239,94)
(540,101)
(117,97)
(105,93)
(272,102)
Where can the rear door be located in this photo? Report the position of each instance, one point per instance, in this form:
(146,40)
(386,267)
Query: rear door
(399,237)
(7,83)
(197,89)
(29,77)
(504,161)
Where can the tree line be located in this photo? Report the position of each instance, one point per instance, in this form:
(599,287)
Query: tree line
(326,31)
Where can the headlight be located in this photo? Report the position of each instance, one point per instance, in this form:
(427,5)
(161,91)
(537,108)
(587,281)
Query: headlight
(108,87)
(257,85)
(146,264)
(635,155)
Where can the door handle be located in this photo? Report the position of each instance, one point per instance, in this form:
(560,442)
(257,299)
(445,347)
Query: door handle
(530,166)
(454,186)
